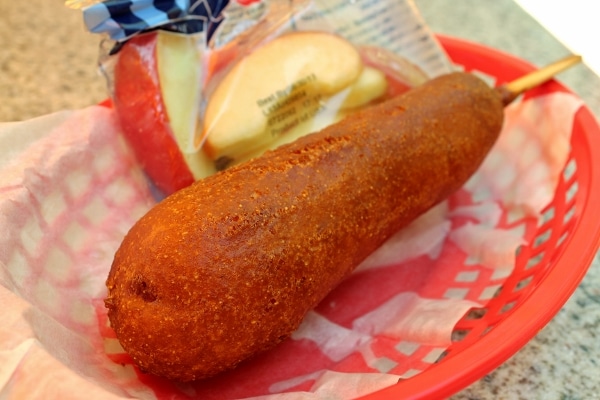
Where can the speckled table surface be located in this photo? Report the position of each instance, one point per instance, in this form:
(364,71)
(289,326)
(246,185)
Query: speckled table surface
(48,64)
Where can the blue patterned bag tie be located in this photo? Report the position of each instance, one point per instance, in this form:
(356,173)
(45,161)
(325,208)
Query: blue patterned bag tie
(121,19)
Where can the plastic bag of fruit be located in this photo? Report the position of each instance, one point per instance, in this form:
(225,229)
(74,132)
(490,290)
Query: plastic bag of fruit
(203,85)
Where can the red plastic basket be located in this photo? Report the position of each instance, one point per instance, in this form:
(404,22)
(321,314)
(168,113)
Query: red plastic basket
(546,273)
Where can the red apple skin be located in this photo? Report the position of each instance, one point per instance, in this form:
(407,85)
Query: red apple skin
(143,116)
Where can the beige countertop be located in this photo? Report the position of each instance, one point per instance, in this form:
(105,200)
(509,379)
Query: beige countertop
(48,64)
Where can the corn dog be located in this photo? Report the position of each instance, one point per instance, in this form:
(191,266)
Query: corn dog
(228,267)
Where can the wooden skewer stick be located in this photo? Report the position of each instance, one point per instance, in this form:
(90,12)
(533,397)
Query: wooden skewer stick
(511,90)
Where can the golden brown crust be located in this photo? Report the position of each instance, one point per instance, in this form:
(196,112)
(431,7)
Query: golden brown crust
(228,267)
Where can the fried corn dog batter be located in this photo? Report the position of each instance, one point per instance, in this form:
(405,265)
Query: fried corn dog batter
(228,267)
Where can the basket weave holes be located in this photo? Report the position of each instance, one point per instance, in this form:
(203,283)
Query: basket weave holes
(507,307)
(535,260)
(570,169)
(571,191)
(542,238)
(547,216)
(569,214)
(459,335)
(523,283)
(490,292)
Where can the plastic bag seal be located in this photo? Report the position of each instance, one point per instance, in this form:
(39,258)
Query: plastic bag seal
(121,19)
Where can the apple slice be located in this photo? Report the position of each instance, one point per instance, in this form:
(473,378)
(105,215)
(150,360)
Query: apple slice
(156,84)
(370,85)
(179,72)
(263,94)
